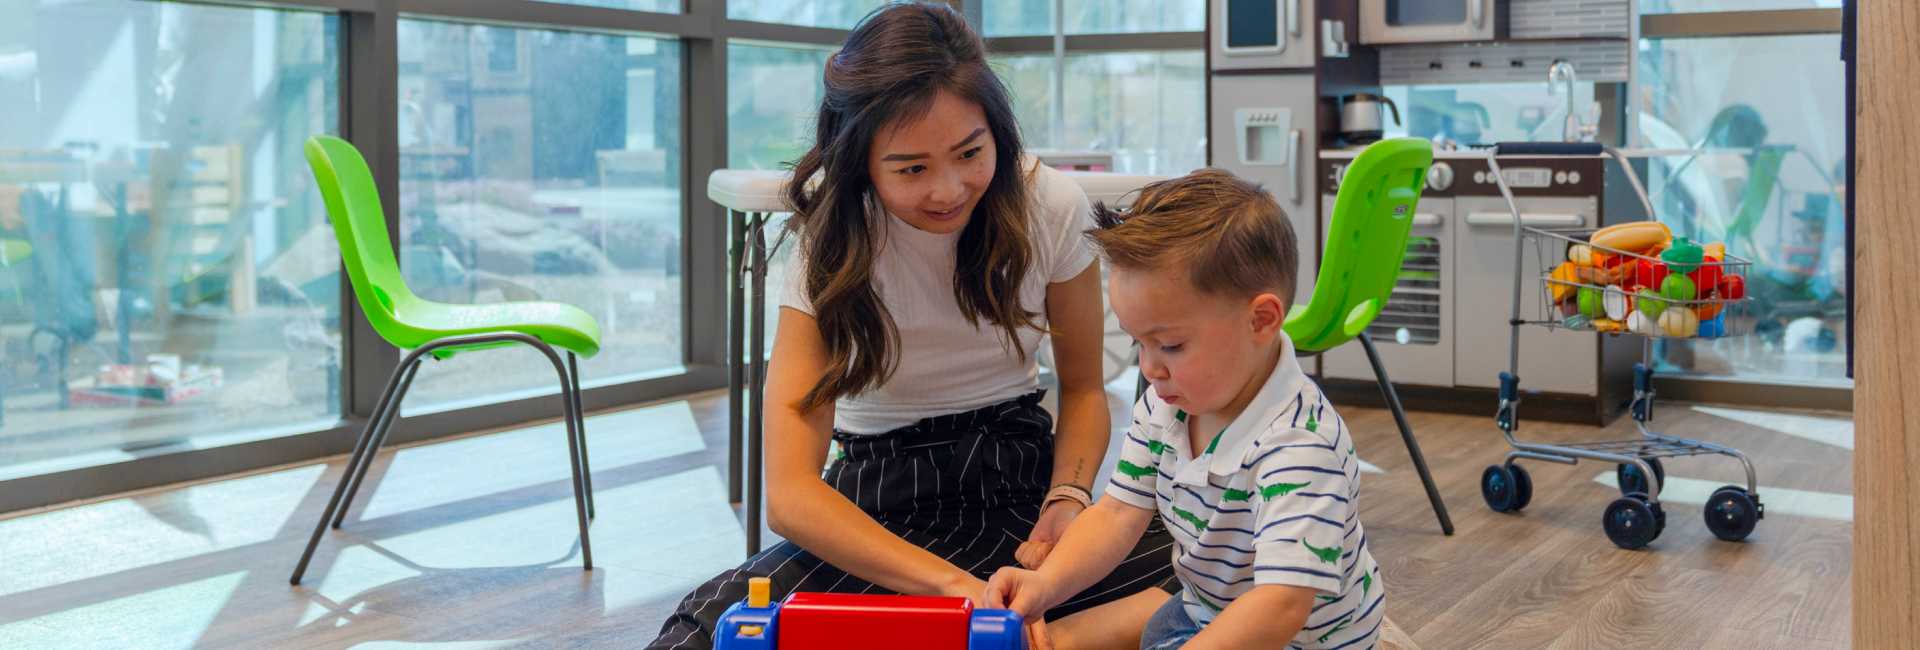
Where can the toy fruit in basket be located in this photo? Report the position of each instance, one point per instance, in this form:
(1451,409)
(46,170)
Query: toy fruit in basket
(1731,287)
(1635,237)
(1679,323)
(1639,323)
(1615,303)
(1609,326)
(1565,277)
(1592,304)
(1715,328)
(1684,256)
(1649,273)
(1649,302)
(1678,288)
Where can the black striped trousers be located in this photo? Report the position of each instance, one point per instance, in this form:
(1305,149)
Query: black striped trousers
(966,487)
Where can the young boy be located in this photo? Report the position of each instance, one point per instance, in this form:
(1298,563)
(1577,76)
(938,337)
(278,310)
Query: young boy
(1234,447)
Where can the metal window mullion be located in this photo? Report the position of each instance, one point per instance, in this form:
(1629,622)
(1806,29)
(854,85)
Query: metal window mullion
(704,225)
(369,118)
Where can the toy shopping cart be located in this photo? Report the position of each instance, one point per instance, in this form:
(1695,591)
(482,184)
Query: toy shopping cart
(1624,279)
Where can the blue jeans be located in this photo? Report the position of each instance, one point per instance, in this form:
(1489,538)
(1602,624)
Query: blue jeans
(1170,627)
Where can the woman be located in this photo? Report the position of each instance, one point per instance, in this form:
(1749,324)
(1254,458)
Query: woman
(934,256)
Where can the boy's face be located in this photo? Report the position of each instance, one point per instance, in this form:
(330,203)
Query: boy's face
(1201,352)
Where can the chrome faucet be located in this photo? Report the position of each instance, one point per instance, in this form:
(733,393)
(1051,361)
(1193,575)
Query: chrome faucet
(1561,78)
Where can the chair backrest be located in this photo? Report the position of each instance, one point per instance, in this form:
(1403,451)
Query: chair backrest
(1365,243)
(360,225)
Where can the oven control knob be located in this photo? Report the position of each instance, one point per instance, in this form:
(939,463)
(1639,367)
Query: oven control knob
(1440,176)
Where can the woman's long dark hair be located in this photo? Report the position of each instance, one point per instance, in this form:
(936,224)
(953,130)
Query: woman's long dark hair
(889,70)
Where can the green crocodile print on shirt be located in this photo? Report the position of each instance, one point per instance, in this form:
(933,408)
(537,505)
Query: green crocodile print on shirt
(1328,555)
(1336,630)
(1156,447)
(1231,494)
(1134,471)
(1277,490)
(1199,525)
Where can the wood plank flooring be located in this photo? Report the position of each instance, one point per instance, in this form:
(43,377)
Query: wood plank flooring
(471,542)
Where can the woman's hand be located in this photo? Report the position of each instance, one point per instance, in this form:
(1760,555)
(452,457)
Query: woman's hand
(1047,531)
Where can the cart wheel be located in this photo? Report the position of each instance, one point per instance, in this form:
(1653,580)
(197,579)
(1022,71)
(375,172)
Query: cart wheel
(1732,513)
(1630,480)
(1630,521)
(1523,487)
(1500,488)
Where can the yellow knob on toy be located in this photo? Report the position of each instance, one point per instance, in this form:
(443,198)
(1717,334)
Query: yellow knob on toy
(759,592)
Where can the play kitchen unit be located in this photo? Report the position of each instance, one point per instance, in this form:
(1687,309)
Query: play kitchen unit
(1296,88)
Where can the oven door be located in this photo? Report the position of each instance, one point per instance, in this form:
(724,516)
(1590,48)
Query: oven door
(1413,333)
(1428,21)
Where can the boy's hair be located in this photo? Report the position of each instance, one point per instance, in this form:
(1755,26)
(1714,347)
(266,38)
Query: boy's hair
(1227,233)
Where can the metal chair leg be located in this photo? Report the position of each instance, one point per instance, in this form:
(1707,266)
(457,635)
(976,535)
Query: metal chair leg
(757,362)
(384,417)
(573,453)
(736,338)
(580,418)
(1406,435)
(360,449)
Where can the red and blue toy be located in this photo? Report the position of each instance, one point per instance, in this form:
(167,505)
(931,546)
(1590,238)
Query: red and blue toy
(815,621)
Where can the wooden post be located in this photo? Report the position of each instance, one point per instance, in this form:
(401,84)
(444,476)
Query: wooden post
(1886,397)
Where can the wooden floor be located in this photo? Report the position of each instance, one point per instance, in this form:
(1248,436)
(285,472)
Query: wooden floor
(472,542)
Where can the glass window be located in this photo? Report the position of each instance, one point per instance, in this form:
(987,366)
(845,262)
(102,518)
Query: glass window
(1140,107)
(168,278)
(772,95)
(1017,17)
(542,165)
(1487,113)
(1767,115)
(1029,77)
(1134,16)
(1694,6)
(660,6)
(842,14)
(1132,105)
(1035,18)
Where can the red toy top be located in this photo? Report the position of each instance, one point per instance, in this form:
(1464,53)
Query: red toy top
(813,621)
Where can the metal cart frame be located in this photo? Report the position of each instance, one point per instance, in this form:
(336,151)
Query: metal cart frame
(1640,453)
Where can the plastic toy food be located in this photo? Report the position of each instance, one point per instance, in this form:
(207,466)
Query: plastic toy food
(1583,255)
(1648,273)
(1708,310)
(1609,326)
(1713,329)
(1677,287)
(1615,303)
(1708,274)
(1649,302)
(1684,256)
(813,621)
(1634,237)
(1639,323)
(1565,273)
(1592,305)
(1679,323)
(1731,287)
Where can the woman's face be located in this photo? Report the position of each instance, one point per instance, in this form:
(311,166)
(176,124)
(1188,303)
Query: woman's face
(931,171)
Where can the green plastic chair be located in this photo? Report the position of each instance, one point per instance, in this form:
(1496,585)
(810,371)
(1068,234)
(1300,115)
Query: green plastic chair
(434,329)
(1366,242)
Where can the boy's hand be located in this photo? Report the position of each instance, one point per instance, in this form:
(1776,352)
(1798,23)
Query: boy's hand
(1023,591)
(1046,532)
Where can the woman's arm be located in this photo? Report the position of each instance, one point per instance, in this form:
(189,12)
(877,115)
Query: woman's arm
(804,509)
(1084,429)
